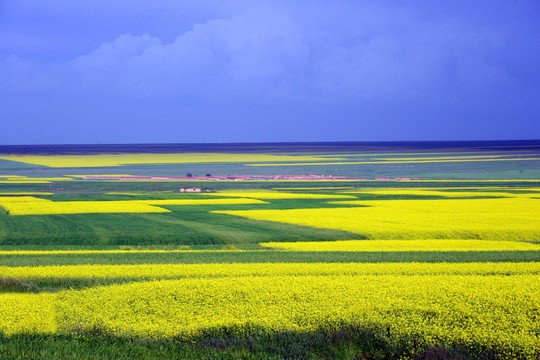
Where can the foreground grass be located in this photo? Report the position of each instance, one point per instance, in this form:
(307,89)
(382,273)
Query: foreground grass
(347,343)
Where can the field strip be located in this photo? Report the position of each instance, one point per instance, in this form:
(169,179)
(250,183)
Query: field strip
(24,182)
(113,160)
(386,162)
(269,195)
(118,251)
(314,188)
(404,245)
(27,205)
(25,193)
(173,271)
(456,157)
(427,192)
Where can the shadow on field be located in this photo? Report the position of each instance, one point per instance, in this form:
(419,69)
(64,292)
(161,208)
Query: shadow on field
(347,342)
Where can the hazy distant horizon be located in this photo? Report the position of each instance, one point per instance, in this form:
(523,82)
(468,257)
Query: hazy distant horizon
(530,144)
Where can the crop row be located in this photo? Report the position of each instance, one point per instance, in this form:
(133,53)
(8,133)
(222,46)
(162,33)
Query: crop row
(404,245)
(28,205)
(168,271)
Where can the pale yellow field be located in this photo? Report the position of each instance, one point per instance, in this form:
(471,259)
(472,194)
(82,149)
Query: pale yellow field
(315,188)
(444,157)
(106,160)
(8,179)
(404,245)
(489,219)
(27,205)
(449,194)
(393,161)
(102,175)
(25,193)
(24,182)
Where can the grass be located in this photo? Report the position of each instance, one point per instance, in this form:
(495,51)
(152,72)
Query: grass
(269,256)
(347,343)
(181,227)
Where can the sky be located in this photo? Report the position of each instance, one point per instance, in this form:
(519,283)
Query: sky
(179,71)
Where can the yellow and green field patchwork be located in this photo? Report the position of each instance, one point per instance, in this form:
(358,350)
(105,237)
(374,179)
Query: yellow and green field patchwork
(404,245)
(488,219)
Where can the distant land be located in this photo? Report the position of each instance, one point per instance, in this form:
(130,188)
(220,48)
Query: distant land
(346,146)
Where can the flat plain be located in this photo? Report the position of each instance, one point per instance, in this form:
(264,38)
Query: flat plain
(405,253)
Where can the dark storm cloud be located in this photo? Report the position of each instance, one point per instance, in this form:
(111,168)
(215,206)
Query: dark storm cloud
(369,65)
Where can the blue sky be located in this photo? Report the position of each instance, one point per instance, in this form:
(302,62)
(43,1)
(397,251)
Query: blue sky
(181,71)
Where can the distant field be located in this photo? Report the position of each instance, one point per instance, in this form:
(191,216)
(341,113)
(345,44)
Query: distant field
(446,265)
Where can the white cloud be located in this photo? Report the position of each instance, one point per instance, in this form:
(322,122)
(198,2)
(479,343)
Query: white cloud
(390,55)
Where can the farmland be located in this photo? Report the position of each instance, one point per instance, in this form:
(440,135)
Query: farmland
(446,266)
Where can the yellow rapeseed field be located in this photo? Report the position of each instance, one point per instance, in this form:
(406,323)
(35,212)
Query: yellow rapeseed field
(471,310)
(27,313)
(25,193)
(27,205)
(445,157)
(24,182)
(489,219)
(431,192)
(107,160)
(9,179)
(404,245)
(34,206)
(393,161)
(173,271)
(470,304)
(315,188)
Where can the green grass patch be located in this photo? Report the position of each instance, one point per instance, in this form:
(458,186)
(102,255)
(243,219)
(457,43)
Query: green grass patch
(268,256)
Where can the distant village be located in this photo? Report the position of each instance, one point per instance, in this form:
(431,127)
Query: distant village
(209,177)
